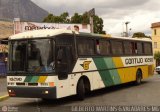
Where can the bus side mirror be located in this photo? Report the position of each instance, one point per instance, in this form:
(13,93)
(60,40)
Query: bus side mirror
(62,68)
(60,55)
(62,75)
(62,71)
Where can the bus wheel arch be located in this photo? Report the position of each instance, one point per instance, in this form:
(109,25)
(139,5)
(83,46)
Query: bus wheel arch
(139,76)
(83,87)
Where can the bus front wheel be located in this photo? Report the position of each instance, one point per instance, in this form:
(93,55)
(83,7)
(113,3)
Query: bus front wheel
(81,90)
(138,77)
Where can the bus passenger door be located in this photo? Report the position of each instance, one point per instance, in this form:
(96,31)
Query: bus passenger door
(63,66)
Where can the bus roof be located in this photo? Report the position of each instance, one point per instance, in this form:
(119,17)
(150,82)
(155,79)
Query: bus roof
(40,33)
(115,37)
(53,32)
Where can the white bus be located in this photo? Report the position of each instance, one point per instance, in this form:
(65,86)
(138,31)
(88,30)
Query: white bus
(58,63)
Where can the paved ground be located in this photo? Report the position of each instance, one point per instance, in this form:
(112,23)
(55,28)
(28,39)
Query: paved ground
(148,93)
(3,84)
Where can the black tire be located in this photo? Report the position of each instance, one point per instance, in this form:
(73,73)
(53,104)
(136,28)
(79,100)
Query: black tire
(138,77)
(81,90)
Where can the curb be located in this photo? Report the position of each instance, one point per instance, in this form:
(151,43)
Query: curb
(4,97)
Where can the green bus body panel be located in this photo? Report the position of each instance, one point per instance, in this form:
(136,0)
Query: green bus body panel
(109,77)
(34,79)
(28,78)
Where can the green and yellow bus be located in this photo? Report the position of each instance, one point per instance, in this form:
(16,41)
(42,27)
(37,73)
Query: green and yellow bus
(58,63)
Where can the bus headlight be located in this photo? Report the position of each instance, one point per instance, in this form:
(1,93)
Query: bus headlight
(9,91)
(46,92)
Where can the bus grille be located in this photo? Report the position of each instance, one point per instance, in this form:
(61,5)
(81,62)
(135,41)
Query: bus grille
(20,84)
(32,84)
(29,84)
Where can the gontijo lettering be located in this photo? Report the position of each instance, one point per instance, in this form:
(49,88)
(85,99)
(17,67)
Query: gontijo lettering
(137,60)
(148,59)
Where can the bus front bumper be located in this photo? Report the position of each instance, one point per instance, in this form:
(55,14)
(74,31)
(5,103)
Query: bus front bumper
(32,92)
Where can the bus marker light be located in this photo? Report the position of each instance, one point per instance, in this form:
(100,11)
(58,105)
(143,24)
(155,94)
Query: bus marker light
(51,84)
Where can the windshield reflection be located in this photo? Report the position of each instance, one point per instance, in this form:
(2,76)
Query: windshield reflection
(33,56)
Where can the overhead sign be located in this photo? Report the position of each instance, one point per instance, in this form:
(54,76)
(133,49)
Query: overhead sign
(91,12)
(20,27)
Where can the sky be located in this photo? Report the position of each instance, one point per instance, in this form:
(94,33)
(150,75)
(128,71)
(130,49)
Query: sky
(140,13)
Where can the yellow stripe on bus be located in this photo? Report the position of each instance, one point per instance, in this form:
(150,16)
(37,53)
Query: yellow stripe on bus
(118,62)
(129,74)
(42,79)
(125,74)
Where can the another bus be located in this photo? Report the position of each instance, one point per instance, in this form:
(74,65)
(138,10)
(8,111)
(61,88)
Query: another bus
(51,64)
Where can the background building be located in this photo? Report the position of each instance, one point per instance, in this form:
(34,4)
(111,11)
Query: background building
(6,29)
(156,39)
(156,36)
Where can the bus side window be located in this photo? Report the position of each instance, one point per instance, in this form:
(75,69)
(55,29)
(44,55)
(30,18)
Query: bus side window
(97,46)
(85,47)
(136,50)
(104,47)
(140,48)
(133,48)
(147,48)
(128,48)
(117,47)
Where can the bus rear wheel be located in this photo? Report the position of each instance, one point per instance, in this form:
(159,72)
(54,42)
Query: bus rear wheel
(138,77)
(81,90)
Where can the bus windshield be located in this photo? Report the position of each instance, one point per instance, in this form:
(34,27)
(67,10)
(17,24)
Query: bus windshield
(32,56)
